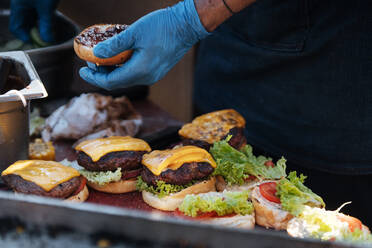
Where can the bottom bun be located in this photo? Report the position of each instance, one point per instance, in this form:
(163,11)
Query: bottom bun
(122,186)
(237,221)
(81,196)
(269,214)
(172,201)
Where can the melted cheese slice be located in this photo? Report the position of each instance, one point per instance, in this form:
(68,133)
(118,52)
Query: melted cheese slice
(159,161)
(46,174)
(212,127)
(97,148)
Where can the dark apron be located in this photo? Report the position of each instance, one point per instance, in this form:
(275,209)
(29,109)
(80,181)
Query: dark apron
(300,71)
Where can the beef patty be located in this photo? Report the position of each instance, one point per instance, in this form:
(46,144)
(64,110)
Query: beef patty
(63,190)
(126,160)
(237,137)
(237,140)
(183,175)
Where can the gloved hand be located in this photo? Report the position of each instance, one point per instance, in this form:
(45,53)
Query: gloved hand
(24,15)
(159,40)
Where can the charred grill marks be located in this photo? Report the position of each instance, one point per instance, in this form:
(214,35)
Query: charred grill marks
(93,35)
(237,140)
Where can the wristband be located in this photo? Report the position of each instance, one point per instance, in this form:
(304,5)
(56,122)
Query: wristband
(228,7)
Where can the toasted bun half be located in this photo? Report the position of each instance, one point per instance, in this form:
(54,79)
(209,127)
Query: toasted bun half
(122,186)
(269,214)
(81,196)
(85,51)
(237,221)
(172,201)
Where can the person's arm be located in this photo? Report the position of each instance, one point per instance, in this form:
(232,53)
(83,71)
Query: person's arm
(214,12)
(22,13)
(158,40)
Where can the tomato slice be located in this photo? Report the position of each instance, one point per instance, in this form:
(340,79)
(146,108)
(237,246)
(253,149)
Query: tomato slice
(250,178)
(206,215)
(269,163)
(83,182)
(201,216)
(268,191)
(354,223)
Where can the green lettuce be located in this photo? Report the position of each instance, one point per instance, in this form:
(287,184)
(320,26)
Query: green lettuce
(36,122)
(222,203)
(161,189)
(294,195)
(102,177)
(235,166)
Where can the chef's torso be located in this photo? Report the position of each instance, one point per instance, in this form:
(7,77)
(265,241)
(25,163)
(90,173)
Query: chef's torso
(300,71)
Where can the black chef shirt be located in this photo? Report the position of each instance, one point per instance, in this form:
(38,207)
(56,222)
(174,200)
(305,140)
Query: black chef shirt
(300,71)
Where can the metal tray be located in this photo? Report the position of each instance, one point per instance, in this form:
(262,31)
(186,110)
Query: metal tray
(86,223)
(14,116)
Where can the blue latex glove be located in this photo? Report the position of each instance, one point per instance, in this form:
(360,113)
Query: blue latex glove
(25,14)
(159,40)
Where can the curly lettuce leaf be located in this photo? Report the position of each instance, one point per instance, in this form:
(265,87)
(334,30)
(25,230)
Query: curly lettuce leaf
(294,195)
(235,166)
(102,177)
(222,203)
(162,188)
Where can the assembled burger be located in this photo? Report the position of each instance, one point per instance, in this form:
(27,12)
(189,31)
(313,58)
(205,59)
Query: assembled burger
(112,164)
(169,175)
(46,178)
(277,202)
(206,129)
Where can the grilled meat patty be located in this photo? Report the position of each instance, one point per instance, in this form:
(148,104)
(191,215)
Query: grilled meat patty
(198,143)
(126,160)
(237,140)
(183,175)
(63,190)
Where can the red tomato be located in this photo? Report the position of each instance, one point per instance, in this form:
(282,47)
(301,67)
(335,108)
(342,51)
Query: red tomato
(177,212)
(270,163)
(354,223)
(206,215)
(201,216)
(250,178)
(81,186)
(268,191)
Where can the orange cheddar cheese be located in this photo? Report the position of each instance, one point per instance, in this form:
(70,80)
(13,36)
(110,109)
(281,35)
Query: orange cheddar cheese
(159,161)
(96,148)
(46,174)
